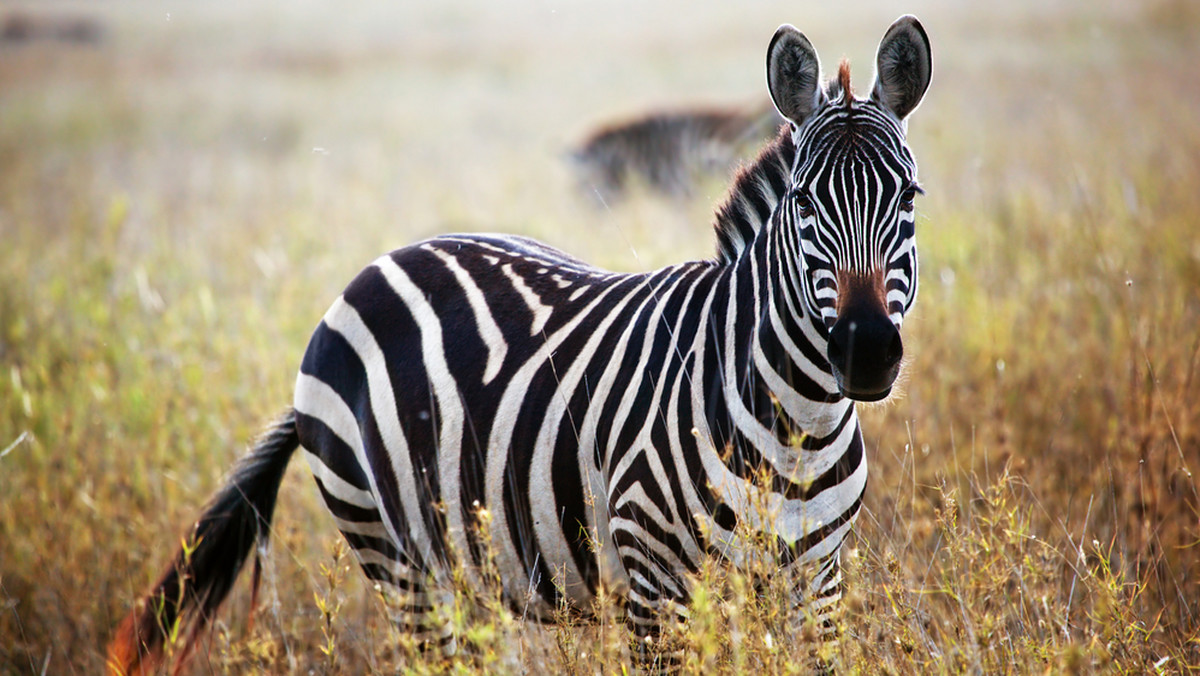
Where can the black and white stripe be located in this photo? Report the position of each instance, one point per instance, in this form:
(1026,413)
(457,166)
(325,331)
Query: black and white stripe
(478,395)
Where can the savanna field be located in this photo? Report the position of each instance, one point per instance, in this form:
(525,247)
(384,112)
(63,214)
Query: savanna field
(186,188)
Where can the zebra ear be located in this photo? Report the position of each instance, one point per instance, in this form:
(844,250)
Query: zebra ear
(793,74)
(903,66)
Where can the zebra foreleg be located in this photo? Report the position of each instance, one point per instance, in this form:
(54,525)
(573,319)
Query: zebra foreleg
(816,597)
(657,596)
(654,651)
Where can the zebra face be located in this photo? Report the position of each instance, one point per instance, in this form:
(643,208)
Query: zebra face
(850,207)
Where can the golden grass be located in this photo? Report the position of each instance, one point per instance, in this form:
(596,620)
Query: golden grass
(179,204)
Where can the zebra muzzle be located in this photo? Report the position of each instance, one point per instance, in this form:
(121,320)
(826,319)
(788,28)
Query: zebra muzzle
(865,351)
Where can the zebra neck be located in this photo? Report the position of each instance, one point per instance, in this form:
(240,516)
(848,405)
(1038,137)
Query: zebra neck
(789,347)
(761,402)
(769,389)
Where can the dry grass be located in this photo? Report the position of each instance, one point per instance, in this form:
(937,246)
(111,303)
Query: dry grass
(179,204)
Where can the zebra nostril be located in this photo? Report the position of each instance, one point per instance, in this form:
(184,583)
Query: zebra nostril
(837,349)
(865,350)
(895,351)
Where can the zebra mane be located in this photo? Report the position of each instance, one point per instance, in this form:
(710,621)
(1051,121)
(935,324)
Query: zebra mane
(839,87)
(757,189)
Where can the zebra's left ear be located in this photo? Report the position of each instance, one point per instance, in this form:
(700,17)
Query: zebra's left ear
(903,67)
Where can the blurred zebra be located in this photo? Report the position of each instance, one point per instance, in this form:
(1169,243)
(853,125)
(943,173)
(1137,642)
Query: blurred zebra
(668,151)
(474,396)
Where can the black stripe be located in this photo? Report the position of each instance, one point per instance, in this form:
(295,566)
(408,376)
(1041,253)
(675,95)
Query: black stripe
(346,511)
(331,450)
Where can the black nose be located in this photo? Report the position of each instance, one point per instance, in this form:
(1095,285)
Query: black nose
(865,350)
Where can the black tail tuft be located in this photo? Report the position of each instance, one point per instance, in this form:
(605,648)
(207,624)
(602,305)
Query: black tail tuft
(204,569)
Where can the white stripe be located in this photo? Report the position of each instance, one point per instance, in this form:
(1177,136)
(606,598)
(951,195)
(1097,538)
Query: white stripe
(783,459)
(336,485)
(543,505)
(639,372)
(397,569)
(541,311)
(374,529)
(612,571)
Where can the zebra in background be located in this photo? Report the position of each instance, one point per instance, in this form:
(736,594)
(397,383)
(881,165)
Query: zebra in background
(668,151)
(616,428)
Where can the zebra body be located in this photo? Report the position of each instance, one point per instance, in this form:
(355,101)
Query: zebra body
(576,430)
(599,430)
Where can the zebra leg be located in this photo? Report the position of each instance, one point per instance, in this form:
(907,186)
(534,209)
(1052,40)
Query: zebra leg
(646,612)
(406,588)
(657,594)
(410,594)
(413,603)
(816,594)
(405,584)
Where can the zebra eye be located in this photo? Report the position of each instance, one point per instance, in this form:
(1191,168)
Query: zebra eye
(907,197)
(804,204)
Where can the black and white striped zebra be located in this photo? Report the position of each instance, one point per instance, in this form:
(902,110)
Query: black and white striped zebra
(616,428)
(668,151)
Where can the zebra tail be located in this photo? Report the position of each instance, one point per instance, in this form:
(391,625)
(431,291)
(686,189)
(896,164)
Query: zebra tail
(186,598)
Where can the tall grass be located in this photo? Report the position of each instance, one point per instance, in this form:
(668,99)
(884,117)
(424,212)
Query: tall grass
(179,204)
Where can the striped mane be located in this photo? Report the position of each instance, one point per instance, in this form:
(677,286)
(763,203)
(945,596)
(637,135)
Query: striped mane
(757,189)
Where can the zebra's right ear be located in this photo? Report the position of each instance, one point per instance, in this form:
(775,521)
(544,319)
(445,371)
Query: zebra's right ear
(793,75)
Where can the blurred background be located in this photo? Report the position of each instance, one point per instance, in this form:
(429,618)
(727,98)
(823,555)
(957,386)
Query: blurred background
(185,187)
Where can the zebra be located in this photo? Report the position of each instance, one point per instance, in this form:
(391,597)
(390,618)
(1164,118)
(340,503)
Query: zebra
(484,395)
(668,150)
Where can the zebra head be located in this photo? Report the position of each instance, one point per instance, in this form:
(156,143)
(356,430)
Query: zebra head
(850,202)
